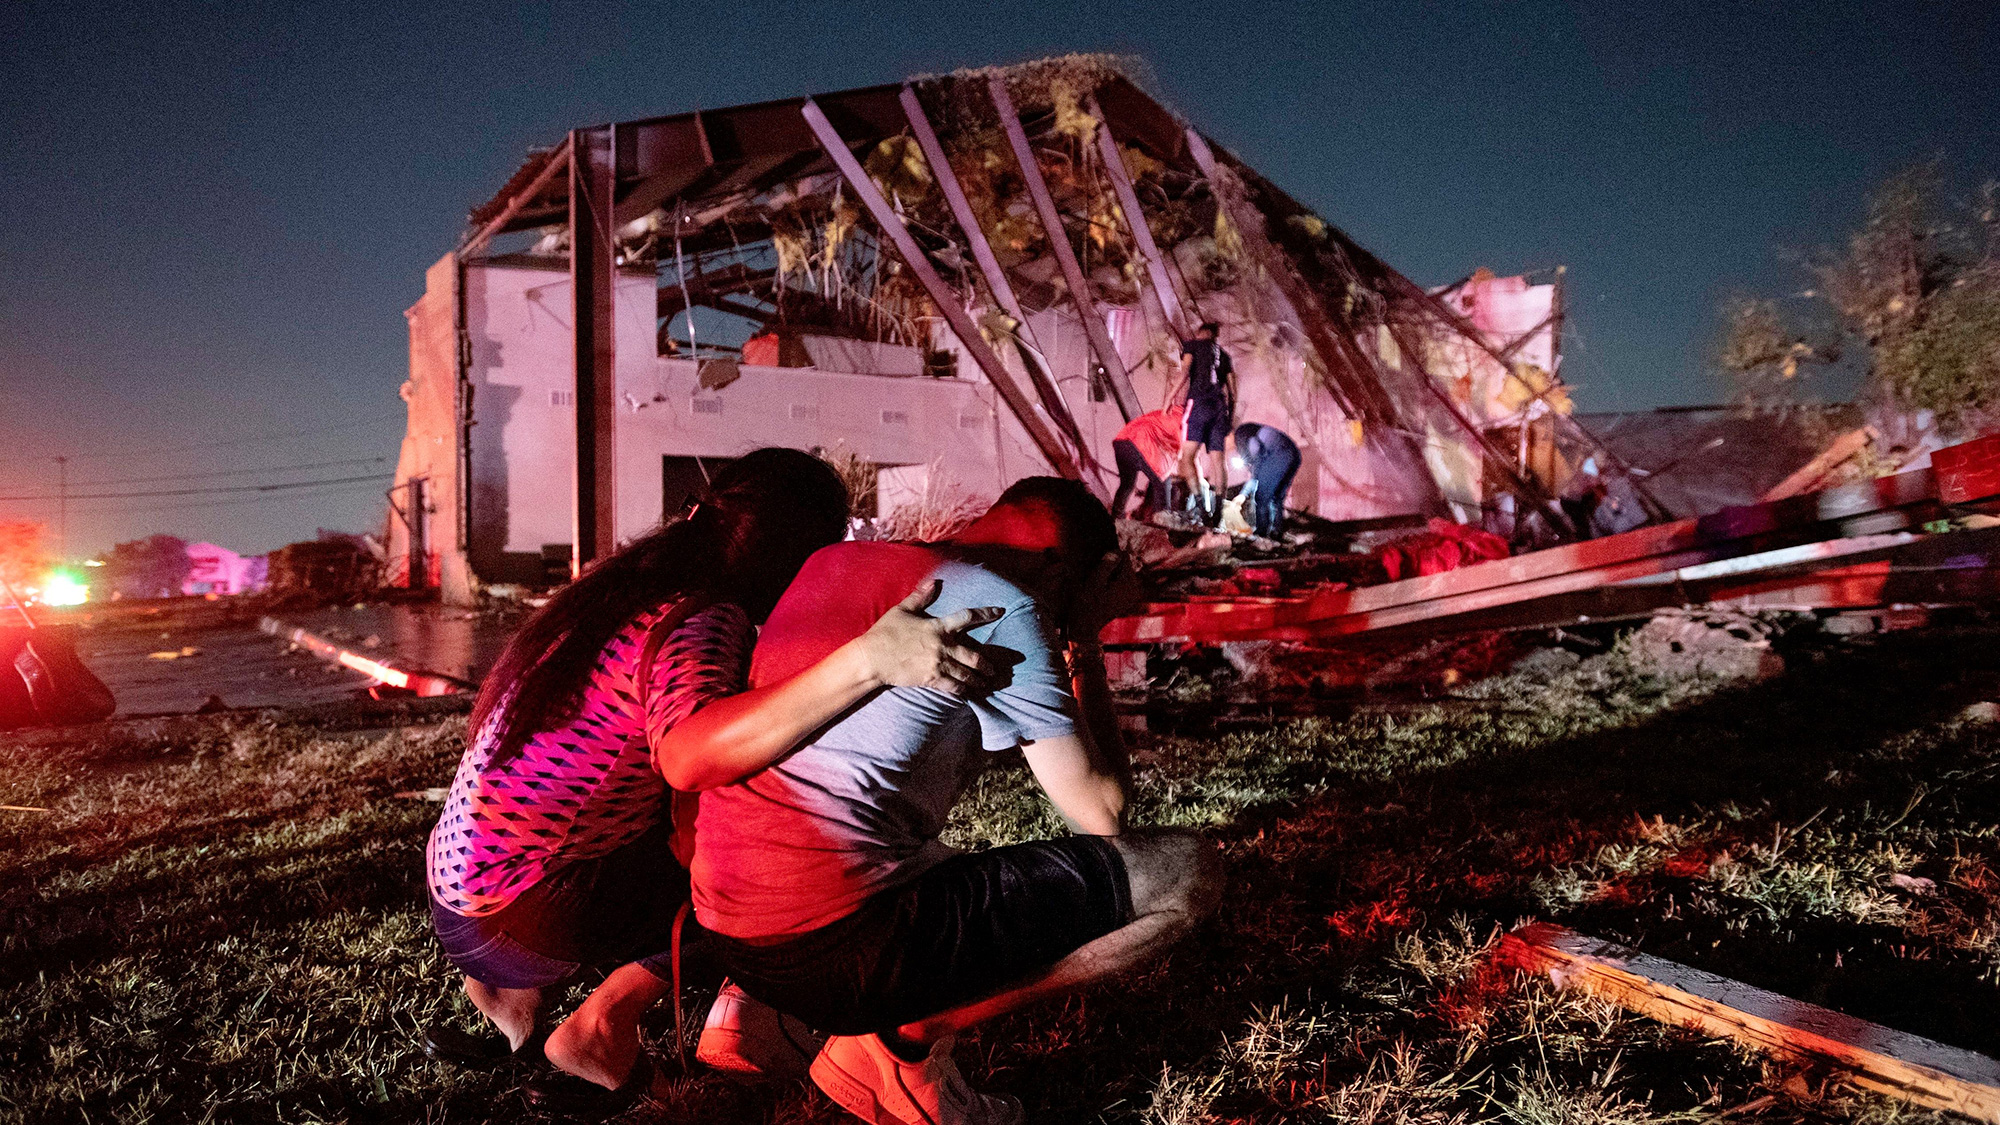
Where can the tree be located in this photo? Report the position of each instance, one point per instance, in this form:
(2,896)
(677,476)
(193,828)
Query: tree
(153,567)
(1914,294)
(22,559)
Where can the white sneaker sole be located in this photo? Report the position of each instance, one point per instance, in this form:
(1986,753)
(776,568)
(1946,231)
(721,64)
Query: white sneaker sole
(723,1051)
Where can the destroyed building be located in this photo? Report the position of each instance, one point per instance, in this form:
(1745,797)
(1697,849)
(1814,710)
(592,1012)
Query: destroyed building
(956,280)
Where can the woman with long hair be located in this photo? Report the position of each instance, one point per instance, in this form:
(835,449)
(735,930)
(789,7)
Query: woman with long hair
(557,846)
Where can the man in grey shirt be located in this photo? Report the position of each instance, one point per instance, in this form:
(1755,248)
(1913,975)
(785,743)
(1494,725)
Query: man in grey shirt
(833,898)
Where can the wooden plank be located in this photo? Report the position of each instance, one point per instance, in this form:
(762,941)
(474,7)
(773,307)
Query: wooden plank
(1814,471)
(1918,1070)
(913,256)
(421,682)
(1164,293)
(1072,271)
(989,268)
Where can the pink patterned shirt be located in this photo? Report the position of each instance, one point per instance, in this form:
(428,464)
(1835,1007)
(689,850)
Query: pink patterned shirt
(588,787)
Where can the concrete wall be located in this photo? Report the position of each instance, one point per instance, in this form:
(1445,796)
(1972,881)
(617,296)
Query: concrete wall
(523,441)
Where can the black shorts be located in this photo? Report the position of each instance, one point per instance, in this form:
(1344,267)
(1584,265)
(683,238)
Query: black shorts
(968,928)
(1207,423)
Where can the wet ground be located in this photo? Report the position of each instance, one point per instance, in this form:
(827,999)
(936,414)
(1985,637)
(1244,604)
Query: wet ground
(171,657)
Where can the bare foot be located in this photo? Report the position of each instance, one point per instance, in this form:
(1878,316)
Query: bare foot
(600,1041)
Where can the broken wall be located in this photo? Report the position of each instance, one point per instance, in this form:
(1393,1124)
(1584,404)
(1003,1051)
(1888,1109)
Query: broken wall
(430,449)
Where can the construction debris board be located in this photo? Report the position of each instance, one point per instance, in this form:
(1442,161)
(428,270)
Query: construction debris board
(1857,545)
(875,270)
(1869,1055)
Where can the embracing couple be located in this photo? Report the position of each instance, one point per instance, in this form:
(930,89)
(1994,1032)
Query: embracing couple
(740,711)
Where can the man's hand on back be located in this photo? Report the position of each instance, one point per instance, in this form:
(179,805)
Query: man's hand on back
(909,648)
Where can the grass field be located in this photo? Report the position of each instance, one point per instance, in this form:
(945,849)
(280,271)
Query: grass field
(222,921)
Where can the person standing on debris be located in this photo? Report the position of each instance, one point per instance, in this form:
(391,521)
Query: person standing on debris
(1210,376)
(1272,459)
(558,849)
(823,881)
(1146,446)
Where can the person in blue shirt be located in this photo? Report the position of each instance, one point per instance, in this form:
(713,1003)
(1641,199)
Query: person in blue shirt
(1273,460)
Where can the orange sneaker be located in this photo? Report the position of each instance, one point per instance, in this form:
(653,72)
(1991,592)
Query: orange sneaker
(870,1082)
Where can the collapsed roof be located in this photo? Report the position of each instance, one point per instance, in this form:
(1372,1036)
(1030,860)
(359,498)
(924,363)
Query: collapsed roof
(983,197)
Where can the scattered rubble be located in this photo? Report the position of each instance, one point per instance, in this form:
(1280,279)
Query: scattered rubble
(1707,642)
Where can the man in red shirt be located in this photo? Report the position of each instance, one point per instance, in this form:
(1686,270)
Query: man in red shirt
(822,880)
(1148,446)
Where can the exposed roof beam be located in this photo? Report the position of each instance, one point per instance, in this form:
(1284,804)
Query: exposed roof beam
(557,164)
(1164,293)
(913,256)
(727,279)
(989,267)
(1072,271)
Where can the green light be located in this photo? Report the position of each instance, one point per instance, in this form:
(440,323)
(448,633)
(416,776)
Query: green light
(63,588)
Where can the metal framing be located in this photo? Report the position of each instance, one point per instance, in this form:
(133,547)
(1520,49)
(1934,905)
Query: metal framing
(593,282)
(1164,293)
(1072,271)
(989,268)
(947,301)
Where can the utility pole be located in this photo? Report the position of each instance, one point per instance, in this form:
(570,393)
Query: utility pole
(62,509)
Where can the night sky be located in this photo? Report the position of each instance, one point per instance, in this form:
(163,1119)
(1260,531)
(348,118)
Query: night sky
(216,213)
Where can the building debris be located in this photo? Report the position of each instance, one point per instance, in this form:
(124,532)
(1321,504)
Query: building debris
(982,274)
(413,680)
(1856,546)
(1873,1057)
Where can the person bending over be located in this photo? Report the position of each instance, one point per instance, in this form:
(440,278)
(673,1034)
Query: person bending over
(554,850)
(1273,460)
(1146,446)
(823,877)
(1211,406)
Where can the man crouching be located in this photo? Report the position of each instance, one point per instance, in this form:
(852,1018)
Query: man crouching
(832,897)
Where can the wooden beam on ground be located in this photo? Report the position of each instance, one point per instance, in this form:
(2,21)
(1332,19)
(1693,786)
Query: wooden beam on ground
(1917,1070)
(1072,271)
(989,268)
(1814,471)
(1164,293)
(416,680)
(947,301)
(593,274)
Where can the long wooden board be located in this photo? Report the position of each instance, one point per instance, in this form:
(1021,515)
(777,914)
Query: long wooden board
(1918,1070)
(416,680)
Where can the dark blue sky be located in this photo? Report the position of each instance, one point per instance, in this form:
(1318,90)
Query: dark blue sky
(216,213)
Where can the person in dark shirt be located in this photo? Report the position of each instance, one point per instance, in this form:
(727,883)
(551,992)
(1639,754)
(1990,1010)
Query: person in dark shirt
(1273,460)
(1211,407)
